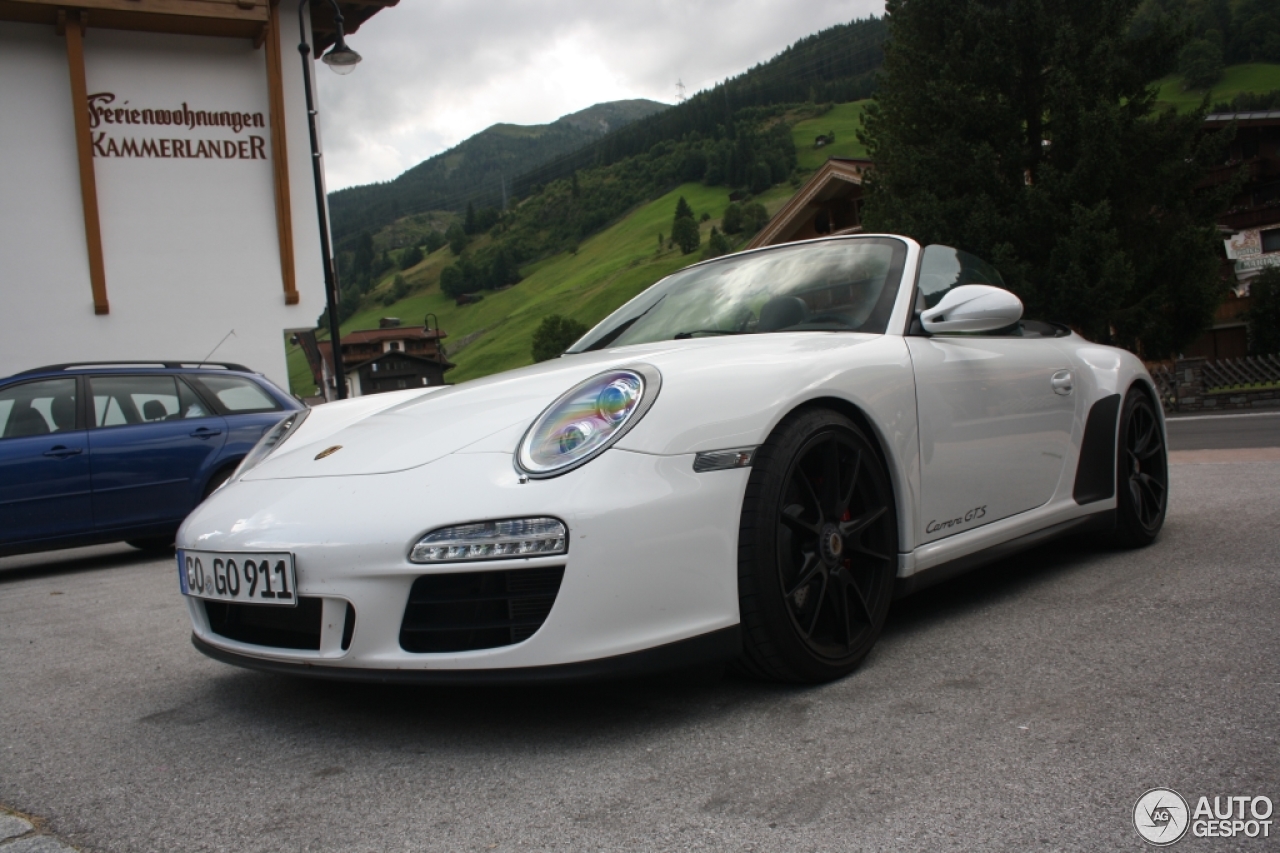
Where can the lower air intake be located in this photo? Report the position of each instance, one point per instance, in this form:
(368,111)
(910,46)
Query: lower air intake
(477,610)
(280,627)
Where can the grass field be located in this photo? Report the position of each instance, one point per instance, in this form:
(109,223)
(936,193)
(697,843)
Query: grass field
(1253,77)
(609,268)
(844,120)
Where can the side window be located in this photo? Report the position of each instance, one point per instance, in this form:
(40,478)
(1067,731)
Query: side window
(38,408)
(192,405)
(942,268)
(119,400)
(237,395)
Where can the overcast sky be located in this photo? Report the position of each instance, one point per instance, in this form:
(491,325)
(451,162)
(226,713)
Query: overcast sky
(438,71)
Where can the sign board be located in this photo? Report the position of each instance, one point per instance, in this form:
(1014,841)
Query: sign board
(1246,249)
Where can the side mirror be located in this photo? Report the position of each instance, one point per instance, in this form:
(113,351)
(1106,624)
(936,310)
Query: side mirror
(972,308)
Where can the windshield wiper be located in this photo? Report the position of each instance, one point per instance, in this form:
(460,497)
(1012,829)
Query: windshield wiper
(684,336)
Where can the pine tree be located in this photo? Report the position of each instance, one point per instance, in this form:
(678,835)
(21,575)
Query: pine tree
(1264,313)
(457,237)
(362,262)
(683,209)
(1025,131)
(469,221)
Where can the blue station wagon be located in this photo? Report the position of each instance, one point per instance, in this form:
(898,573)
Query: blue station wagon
(108,452)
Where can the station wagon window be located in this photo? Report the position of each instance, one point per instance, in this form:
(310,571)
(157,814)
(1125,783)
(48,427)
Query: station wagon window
(38,408)
(123,400)
(237,395)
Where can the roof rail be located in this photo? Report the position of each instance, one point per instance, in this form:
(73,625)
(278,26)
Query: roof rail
(141,364)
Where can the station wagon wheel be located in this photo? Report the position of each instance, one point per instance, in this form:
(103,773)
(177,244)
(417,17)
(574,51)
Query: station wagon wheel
(152,543)
(817,550)
(1142,472)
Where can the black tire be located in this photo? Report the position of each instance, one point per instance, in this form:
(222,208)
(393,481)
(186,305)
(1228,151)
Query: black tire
(152,543)
(817,550)
(217,480)
(1142,472)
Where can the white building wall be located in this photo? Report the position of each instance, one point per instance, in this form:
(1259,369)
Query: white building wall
(190,243)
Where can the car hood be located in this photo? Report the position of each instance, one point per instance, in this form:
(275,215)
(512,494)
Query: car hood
(714,390)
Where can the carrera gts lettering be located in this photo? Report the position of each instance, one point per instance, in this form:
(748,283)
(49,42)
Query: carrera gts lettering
(971,516)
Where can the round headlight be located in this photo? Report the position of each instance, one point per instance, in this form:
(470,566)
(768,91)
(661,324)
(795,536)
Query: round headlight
(584,422)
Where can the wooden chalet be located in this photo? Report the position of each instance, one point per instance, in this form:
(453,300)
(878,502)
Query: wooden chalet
(390,358)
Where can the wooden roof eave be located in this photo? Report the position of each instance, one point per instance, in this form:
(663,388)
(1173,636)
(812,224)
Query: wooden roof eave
(354,13)
(798,205)
(221,18)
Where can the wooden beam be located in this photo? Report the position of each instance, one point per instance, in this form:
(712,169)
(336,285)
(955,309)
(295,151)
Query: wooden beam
(280,158)
(235,10)
(74,30)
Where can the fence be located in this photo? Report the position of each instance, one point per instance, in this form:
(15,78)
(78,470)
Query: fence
(1197,384)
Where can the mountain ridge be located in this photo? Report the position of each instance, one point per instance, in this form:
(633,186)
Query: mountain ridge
(480,168)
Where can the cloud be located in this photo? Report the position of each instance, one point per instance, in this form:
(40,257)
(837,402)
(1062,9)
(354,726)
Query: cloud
(435,73)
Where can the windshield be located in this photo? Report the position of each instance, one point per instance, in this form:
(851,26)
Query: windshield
(840,285)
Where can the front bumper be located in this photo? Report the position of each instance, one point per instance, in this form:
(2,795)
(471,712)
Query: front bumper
(652,562)
(718,646)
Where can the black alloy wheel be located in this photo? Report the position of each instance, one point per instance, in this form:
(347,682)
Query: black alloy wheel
(818,550)
(1142,472)
(217,480)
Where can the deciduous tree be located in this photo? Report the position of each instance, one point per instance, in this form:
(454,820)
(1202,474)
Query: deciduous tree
(733,218)
(717,245)
(555,335)
(685,233)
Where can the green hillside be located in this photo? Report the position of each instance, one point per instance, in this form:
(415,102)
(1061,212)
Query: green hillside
(479,169)
(844,120)
(1253,77)
(609,268)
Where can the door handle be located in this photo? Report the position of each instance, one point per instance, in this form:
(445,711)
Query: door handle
(1062,383)
(205,432)
(61,451)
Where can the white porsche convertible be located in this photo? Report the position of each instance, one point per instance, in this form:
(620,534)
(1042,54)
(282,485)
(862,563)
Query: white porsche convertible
(747,462)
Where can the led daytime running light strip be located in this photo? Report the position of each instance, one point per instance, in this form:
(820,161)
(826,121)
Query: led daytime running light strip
(493,540)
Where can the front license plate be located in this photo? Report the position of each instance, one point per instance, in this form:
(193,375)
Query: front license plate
(248,578)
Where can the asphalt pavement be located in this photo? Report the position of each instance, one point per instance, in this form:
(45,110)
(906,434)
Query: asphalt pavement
(1225,431)
(1025,706)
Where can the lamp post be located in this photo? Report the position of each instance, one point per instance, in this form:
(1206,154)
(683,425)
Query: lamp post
(342,60)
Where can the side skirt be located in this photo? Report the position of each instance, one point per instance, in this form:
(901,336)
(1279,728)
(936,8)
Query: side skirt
(1100,522)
